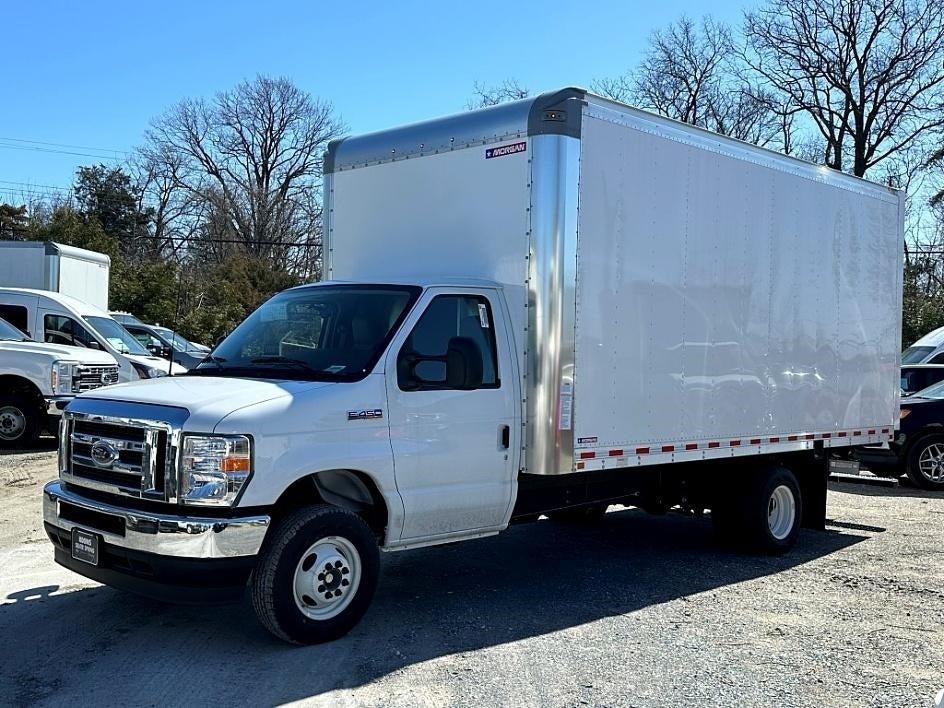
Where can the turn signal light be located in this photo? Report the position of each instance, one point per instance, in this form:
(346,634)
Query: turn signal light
(905,412)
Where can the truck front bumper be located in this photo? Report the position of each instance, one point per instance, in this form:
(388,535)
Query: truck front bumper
(165,556)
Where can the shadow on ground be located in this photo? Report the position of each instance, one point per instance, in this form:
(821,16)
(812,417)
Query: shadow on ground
(100,645)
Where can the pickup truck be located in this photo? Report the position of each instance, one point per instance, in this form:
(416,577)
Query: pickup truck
(37,381)
(483,353)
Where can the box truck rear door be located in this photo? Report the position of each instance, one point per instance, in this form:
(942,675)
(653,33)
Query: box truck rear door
(452,415)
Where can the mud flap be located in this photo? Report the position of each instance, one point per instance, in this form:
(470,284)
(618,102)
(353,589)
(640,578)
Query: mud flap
(813,473)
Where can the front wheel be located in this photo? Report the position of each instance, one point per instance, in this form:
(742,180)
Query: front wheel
(925,464)
(316,575)
(19,421)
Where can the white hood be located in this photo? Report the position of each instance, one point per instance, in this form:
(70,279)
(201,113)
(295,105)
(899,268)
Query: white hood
(209,399)
(91,357)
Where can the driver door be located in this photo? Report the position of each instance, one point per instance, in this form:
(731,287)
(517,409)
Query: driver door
(452,447)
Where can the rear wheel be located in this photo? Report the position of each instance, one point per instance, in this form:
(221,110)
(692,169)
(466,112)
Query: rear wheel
(316,575)
(765,514)
(19,421)
(925,465)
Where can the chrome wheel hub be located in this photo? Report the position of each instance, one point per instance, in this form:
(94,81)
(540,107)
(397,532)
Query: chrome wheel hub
(781,512)
(931,463)
(12,422)
(327,577)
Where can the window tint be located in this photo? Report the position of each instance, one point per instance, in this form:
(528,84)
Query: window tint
(65,330)
(16,315)
(915,355)
(446,317)
(939,359)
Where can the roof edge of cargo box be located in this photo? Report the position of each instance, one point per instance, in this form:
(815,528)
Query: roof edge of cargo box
(552,113)
(51,248)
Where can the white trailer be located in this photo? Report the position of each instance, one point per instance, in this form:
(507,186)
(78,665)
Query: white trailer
(539,308)
(72,271)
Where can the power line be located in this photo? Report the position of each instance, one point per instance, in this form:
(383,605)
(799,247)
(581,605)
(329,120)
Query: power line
(31,148)
(33,185)
(64,145)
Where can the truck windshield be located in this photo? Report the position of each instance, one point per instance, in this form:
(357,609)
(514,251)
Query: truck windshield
(317,333)
(117,336)
(9,333)
(915,355)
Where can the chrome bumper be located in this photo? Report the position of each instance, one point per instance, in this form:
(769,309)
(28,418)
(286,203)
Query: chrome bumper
(161,534)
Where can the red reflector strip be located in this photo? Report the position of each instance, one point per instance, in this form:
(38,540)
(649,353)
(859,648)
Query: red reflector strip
(615,453)
(587,455)
(827,435)
(810,436)
(842,434)
(775,440)
(642,450)
(886,430)
(871,432)
(691,446)
(793,438)
(714,444)
(735,443)
(668,448)
(857,433)
(755,441)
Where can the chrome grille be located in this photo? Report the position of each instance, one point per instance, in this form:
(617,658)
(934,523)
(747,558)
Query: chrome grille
(88,378)
(121,458)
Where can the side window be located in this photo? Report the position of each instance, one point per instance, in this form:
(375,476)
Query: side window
(421,363)
(16,315)
(65,330)
(939,359)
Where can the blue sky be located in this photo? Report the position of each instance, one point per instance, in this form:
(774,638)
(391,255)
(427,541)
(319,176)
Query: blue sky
(94,74)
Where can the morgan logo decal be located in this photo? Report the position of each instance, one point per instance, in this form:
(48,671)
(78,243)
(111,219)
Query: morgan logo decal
(369,414)
(504,150)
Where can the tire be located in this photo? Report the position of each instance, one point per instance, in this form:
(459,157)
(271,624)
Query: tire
(19,421)
(765,516)
(925,462)
(590,514)
(293,593)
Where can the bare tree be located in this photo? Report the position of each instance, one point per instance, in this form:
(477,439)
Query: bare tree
(251,158)
(688,74)
(484,95)
(867,73)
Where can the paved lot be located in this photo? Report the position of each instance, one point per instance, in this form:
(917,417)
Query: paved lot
(640,611)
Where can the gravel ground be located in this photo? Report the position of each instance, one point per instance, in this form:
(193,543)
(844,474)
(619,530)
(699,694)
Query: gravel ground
(639,611)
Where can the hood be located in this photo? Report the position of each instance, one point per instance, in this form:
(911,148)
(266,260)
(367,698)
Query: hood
(82,355)
(209,399)
(155,362)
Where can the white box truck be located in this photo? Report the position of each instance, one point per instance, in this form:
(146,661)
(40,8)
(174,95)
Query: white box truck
(69,270)
(536,309)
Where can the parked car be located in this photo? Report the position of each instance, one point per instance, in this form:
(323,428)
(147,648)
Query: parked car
(59,319)
(125,318)
(180,342)
(159,345)
(917,377)
(38,380)
(927,350)
(918,447)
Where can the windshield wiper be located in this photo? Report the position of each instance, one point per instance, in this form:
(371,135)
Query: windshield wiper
(277,359)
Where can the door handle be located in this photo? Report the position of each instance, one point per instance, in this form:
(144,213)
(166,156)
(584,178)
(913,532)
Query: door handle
(504,434)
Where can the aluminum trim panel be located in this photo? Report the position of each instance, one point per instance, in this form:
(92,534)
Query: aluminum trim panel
(552,259)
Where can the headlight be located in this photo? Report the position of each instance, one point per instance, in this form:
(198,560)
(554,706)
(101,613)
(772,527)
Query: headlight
(148,372)
(213,468)
(61,377)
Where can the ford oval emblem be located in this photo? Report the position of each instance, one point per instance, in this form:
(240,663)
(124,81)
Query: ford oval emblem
(104,453)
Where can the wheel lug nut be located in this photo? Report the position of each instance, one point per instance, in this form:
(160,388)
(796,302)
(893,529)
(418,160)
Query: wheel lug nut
(344,571)
(345,583)
(321,588)
(338,564)
(320,576)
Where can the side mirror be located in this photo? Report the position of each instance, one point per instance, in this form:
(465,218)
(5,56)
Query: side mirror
(464,364)
(93,344)
(155,349)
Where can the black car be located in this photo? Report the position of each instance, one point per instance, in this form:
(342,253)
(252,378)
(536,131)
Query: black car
(918,447)
(161,346)
(917,377)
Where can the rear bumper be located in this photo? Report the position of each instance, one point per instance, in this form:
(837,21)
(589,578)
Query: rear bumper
(166,557)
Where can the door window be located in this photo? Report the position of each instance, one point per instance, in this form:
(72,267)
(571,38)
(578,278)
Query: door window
(421,363)
(65,330)
(16,315)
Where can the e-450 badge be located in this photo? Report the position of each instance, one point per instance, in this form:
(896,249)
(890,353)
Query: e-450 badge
(368,414)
